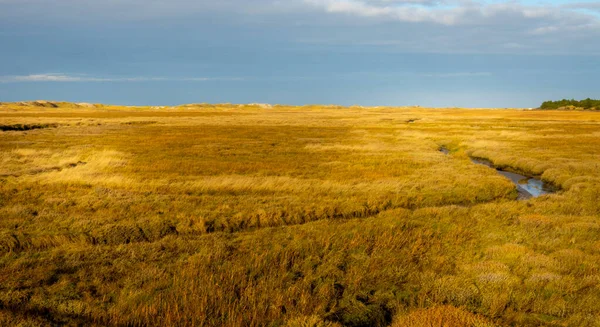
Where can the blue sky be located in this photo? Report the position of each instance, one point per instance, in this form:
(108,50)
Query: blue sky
(367,52)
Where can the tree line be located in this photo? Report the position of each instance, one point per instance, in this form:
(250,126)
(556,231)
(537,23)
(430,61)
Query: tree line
(586,104)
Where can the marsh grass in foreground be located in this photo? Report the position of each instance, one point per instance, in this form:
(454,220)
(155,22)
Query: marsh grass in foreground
(298,216)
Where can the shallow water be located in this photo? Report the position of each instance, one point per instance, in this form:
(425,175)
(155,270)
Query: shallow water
(527,187)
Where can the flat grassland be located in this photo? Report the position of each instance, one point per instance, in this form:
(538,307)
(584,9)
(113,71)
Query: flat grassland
(206,215)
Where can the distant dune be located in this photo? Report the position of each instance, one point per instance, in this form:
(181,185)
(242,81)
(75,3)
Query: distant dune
(64,104)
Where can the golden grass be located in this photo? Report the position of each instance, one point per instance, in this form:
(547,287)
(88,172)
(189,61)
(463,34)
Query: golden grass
(443,316)
(206,215)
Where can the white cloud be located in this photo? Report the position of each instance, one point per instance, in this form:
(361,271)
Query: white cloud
(466,26)
(457,12)
(405,11)
(59,77)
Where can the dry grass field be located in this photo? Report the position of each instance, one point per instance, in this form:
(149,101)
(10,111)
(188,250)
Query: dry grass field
(225,215)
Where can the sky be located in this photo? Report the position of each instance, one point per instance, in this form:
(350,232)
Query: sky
(435,53)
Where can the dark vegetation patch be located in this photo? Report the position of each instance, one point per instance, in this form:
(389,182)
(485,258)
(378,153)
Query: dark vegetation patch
(125,233)
(141,122)
(25,127)
(46,170)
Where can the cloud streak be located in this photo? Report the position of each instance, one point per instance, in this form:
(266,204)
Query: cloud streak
(457,74)
(592,6)
(82,78)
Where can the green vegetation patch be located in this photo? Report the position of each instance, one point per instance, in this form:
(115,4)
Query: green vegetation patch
(564,104)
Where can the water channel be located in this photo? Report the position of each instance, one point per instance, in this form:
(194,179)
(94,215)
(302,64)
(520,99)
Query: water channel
(527,186)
